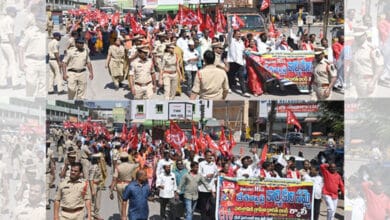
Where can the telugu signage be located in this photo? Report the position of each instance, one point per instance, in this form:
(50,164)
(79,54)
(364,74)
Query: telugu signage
(256,199)
(180,111)
(304,108)
(296,67)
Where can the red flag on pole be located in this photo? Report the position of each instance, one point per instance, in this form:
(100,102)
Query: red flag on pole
(212,145)
(237,22)
(208,24)
(143,138)
(292,119)
(264,152)
(133,137)
(223,145)
(136,27)
(201,142)
(115,18)
(124,132)
(193,140)
(265,4)
(220,22)
(175,136)
(232,141)
(199,14)
(168,22)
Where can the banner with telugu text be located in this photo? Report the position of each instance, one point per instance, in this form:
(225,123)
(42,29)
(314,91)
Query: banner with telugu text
(259,199)
(296,67)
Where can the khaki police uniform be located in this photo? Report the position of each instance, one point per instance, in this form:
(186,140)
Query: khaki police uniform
(48,178)
(55,76)
(142,72)
(116,64)
(124,175)
(49,26)
(10,67)
(211,83)
(170,77)
(72,197)
(323,74)
(159,49)
(33,44)
(95,178)
(76,62)
(84,160)
(365,62)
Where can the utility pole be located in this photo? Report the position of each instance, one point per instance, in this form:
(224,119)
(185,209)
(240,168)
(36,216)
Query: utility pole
(326,18)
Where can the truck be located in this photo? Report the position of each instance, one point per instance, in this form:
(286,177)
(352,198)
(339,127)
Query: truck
(254,22)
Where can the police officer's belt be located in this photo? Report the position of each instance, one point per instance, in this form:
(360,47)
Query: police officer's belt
(170,72)
(120,182)
(72,210)
(324,85)
(53,58)
(77,71)
(143,84)
(35,57)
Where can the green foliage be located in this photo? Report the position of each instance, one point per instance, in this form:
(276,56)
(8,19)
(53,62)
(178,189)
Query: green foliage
(332,117)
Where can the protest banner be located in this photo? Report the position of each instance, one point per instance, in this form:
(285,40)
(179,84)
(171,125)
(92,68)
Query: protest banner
(288,67)
(255,199)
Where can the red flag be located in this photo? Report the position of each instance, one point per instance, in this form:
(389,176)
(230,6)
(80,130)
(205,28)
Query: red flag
(232,141)
(271,29)
(133,137)
(175,136)
(201,143)
(209,25)
(136,27)
(186,16)
(85,128)
(124,132)
(220,22)
(265,4)
(168,22)
(127,18)
(237,22)
(199,14)
(264,152)
(223,145)
(211,143)
(292,119)
(193,140)
(115,18)
(144,141)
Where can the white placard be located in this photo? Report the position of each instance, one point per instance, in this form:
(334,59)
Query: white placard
(176,110)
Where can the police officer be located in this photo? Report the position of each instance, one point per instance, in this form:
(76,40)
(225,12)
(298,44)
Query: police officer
(211,82)
(159,49)
(32,54)
(54,63)
(324,77)
(73,195)
(85,154)
(141,77)
(218,49)
(170,72)
(50,173)
(65,169)
(49,26)
(75,66)
(115,63)
(367,64)
(95,179)
(122,177)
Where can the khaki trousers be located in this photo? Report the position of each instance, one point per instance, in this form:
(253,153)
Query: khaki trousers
(55,77)
(116,68)
(72,216)
(319,93)
(120,188)
(170,82)
(86,165)
(143,92)
(77,85)
(96,203)
(36,78)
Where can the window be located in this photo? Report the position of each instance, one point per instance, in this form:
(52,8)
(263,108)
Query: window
(159,109)
(140,109)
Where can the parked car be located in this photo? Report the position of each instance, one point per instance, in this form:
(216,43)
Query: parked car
(295,138)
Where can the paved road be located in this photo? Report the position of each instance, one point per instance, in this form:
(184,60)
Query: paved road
(102,88)
(110,209)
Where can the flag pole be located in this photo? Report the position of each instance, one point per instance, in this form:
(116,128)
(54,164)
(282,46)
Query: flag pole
(285,152)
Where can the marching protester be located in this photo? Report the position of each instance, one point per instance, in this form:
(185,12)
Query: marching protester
(332,184)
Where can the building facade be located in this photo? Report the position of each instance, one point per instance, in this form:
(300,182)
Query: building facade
(59,111)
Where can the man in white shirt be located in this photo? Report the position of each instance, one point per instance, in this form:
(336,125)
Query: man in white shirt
(237,63)
(248,169)
(191,58)
(262,45)
(205,42)
(164,161)
(209,170)
(166,182)
(318,183)
(182,42)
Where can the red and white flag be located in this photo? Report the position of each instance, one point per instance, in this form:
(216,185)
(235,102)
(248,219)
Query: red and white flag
(265,4)
(292,119)
(237,22)
(175,136)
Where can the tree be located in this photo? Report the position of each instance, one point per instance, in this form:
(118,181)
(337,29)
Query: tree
(332,116)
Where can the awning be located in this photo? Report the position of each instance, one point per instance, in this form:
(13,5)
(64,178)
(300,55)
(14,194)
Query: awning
(151,7)
(167,8)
